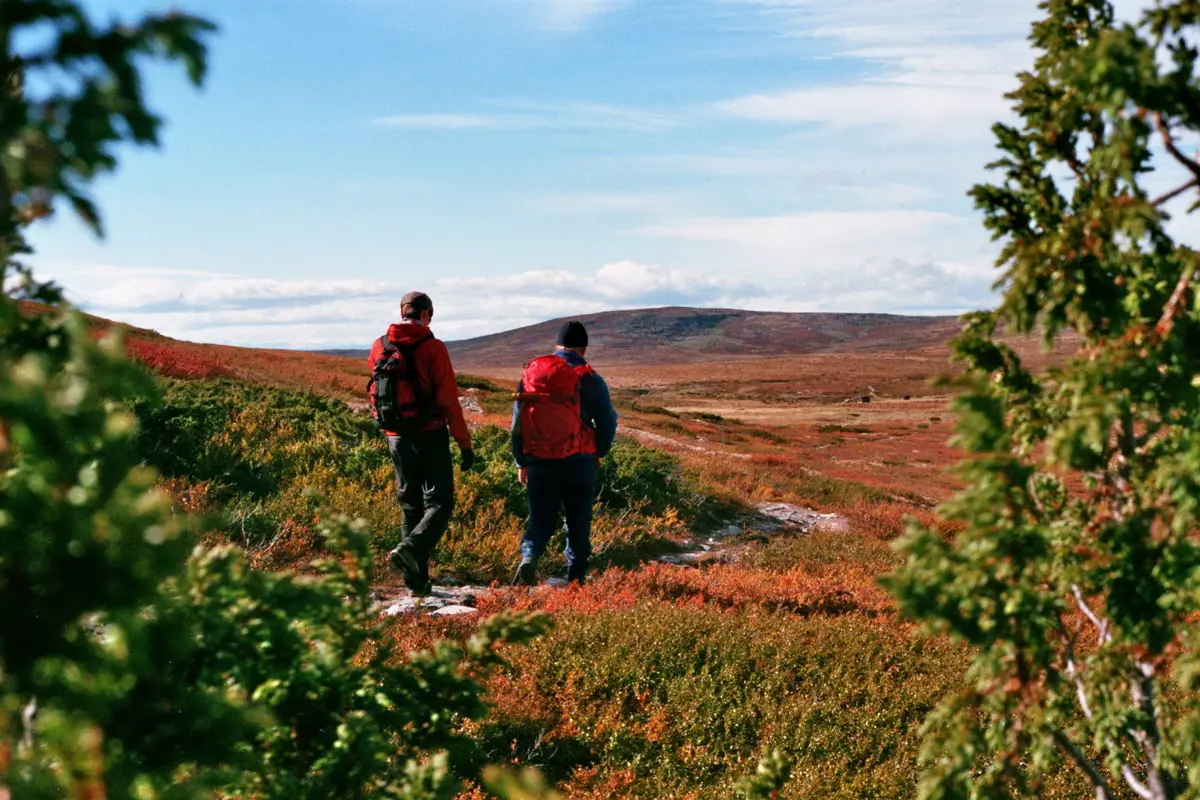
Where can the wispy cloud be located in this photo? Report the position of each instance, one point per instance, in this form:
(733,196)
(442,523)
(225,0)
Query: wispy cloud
(607,203)
(459,121)
(830,239)
(531,115)
(899,107)
(938,66)
(239,309)
(574,15)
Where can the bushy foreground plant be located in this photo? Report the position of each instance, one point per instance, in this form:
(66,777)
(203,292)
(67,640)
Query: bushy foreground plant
(131,664)
(1077,578)
(135,666)
(663,700)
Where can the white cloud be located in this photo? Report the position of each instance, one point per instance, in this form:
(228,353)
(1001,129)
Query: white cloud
(832,239)
(900,106)
(459,122)
(305,313)
(941,67)
(888,194)
(206,291)
(605,203)
(835,275)
(574,15)
(523,115)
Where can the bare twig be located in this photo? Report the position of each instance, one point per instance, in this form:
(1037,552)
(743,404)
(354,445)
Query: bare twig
(1101,625)
(1142,691)
(1169,313)
(1164,129)
(1126,447)
(1171,195)
(1085,764)
(1167,321)
(1139,788)
(1080,691)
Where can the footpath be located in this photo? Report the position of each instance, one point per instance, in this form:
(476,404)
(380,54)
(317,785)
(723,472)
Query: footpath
(723,546)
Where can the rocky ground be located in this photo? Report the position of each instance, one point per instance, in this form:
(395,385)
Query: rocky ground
(769,519)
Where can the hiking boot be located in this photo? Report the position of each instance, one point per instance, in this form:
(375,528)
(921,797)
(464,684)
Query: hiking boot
(406,564)
(526,574)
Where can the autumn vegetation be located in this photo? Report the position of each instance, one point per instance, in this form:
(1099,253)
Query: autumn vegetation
(189,534)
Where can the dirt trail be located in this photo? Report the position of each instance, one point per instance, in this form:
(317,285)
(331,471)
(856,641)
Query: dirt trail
(768,519)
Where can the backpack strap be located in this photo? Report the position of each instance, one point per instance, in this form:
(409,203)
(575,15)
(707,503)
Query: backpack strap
(534,397)
(422,400)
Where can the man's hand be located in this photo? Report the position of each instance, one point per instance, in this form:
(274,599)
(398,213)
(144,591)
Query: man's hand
(523,476)
(468,459)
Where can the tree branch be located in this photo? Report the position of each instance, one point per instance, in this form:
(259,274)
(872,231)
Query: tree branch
(1085,764)
(1171,195)
(1160,122)
(1167,321)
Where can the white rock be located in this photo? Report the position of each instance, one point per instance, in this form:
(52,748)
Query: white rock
(454,611)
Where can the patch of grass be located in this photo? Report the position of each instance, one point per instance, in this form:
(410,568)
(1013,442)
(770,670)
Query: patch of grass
(466,381)
(674,426)
(687,698)
(496,403)
(833,428)
(821,549)
(656,410)
(252,453)
(766,436)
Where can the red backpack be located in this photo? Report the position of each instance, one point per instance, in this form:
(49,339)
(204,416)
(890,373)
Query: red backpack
(550,421)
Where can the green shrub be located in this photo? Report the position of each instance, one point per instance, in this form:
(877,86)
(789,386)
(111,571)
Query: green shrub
(842,429)
(690,698)
(637,476)
(466,381)
(134,662)
(259,450)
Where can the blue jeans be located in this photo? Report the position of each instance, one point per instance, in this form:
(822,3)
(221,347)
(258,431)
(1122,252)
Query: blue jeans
(561,487)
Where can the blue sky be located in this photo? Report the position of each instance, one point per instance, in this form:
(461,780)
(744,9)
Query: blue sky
(526,159)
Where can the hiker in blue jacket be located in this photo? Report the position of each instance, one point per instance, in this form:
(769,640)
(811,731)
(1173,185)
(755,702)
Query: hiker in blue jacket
(563,423)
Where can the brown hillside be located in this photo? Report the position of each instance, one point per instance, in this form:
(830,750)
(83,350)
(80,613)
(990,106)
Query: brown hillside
(673,335)
(690,335)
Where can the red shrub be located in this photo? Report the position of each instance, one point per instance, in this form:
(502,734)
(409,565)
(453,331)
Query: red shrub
(173,361)
(832,589)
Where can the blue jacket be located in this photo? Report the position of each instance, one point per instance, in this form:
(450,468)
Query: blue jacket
(596,408)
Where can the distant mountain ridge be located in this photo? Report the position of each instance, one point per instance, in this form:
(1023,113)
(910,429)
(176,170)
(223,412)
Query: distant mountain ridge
(674,334)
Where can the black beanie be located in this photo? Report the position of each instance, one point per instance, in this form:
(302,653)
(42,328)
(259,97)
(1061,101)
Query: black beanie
(572,334)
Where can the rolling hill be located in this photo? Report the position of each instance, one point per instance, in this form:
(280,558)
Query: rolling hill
(674,335)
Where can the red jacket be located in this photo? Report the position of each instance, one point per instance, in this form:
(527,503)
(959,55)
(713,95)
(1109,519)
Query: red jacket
(436,375)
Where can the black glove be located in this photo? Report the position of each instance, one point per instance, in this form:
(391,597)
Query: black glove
(468,459)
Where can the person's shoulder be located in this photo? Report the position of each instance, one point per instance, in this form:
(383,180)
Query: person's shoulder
(595,377)
(431,341)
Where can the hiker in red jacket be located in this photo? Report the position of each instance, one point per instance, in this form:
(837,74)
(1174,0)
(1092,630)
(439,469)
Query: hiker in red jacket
(414,398)
(563,424)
